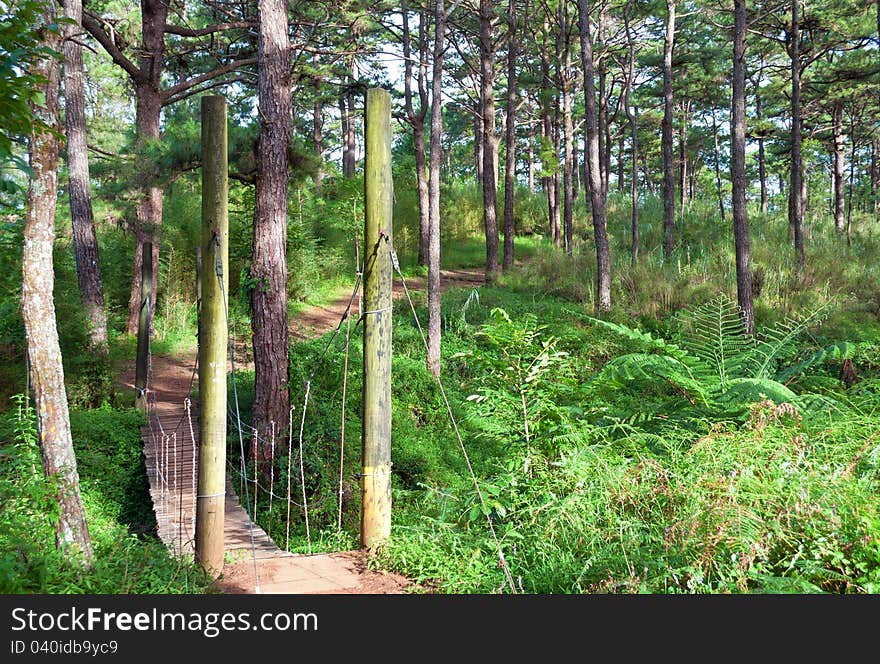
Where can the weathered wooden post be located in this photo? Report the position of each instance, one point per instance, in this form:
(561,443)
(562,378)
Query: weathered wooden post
(142,364)
(211,495)
(378,194)
(198,288)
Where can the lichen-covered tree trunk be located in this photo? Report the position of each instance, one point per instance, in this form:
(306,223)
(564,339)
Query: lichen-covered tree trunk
(795,194)
(632,116)
(417,121)
(269,263)
(490,141)
(148,108)
(38,308)
(318,140)
(433,359)
(510,137)
(597,198)
(568,170)
(762,157)
(738,170)
(838,165)
(85,239)
(666,136)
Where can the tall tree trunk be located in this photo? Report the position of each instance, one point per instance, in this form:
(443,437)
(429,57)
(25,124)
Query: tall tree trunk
(762,158)
(490,141)
(479,144)
(434,189)
(510,137)
(795,194)
(621,159)
(318,140)
(875,174)
(85,239)
(531,150)
(602,105)
(568,173)
(347,110)
(718,167)
(632,116)
(852,177)
(597,199)
(38,308)
(269,263)
(148,108)
(838,165)
(549,165)
(417,121)
(683,155)
(666,139)
(738,170)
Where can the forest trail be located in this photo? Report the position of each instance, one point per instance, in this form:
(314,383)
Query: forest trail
(254,562)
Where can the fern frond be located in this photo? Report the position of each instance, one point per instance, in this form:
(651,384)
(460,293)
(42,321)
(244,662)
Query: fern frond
(744,391)
(761,361)
(839,351)
(648,340)
(648,367)
(714,332)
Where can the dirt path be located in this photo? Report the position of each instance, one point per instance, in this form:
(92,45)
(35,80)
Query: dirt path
(278,572)
(316,321)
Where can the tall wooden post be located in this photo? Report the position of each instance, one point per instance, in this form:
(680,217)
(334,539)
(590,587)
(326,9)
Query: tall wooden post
(198,290)
(144,323)
(211,494)
(378,194)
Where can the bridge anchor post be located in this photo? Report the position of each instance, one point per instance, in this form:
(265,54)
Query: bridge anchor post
(213,337)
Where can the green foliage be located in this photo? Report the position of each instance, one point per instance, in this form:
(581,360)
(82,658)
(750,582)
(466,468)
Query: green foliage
(128,556)
(716,366)
(21,44)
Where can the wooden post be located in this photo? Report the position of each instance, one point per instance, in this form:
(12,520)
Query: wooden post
(211,494)
(378,193)
(198,289)
(144,323)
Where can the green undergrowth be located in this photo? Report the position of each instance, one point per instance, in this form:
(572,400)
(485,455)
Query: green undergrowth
(129,558)
(616,479)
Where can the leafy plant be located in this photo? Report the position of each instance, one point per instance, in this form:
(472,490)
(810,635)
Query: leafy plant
(717,365)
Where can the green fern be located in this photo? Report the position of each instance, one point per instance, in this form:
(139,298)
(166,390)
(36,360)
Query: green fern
(714,333)
(716,364)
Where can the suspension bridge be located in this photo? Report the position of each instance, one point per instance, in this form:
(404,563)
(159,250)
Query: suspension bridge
(197,509)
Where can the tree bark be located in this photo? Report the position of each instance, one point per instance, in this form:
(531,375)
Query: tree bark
(433,359)
(875,174)
(602,102)
(318,140)
(417,122)
(568,172)
(852,177)
(85,239)
(683,156)
(795,194)
(666,139)
(148,108)
(738,170)
(38,308)
(718,188)
(490,141)
(531,150)
(510,138)
(347,109)
(838,165)
(632,116)
(762,158)
(479,144)
(269,263)
(597,198)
